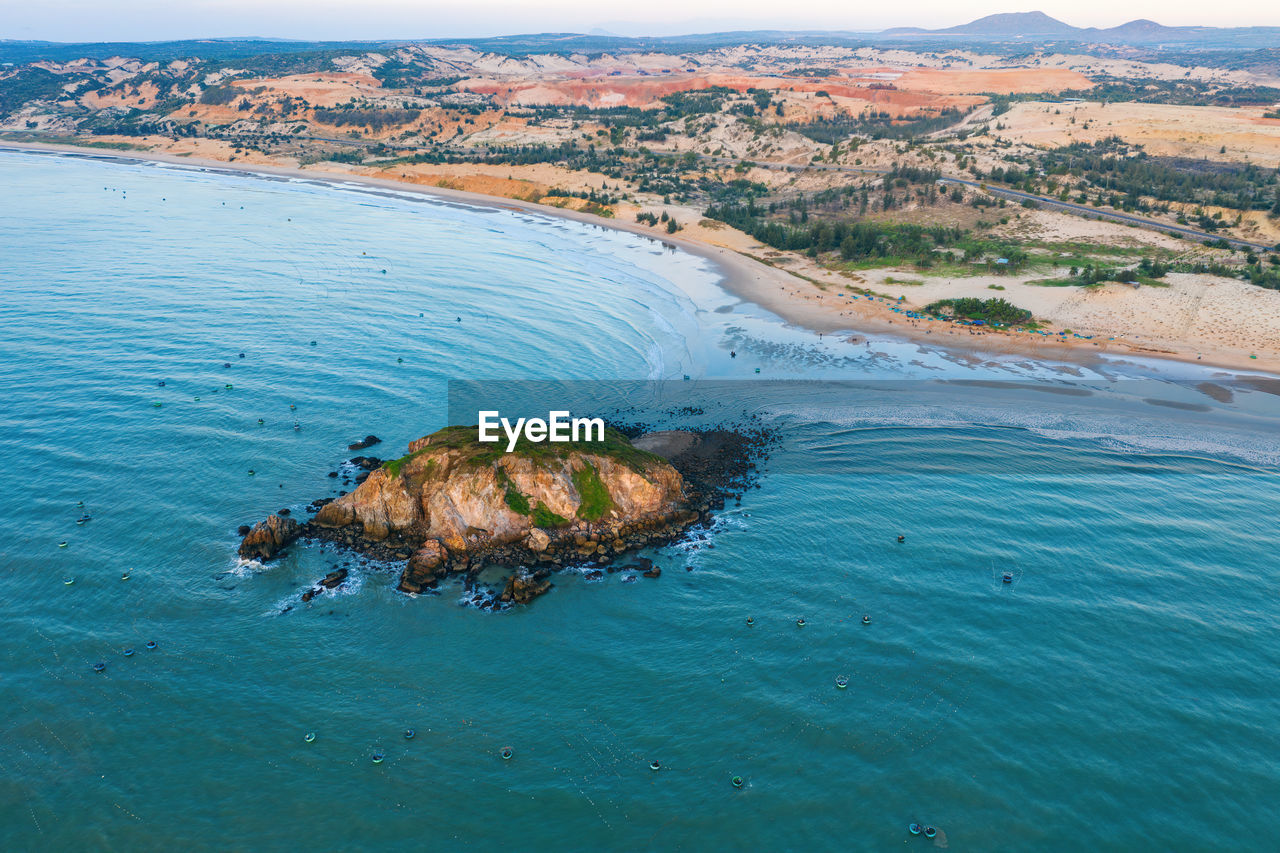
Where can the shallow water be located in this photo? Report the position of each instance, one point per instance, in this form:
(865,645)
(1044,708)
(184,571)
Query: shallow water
(1117,695)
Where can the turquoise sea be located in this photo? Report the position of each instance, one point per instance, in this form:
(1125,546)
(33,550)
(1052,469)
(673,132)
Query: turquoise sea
(1118,694)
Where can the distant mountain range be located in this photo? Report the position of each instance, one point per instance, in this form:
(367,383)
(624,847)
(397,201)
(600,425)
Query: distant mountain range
(1037,27)
(1007,30)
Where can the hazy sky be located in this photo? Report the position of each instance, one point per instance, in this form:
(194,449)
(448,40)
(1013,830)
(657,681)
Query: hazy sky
(149,20)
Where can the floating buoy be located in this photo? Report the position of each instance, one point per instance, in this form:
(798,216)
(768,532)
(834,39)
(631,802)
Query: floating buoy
(377,757)
(311,736)
(653,765)
(506,753)
(151,644)
(842,681)
(128,653)
(1008,577)
(914,828)
(751,620)
(737,781)
(99,666)
(408,734)
(68,581)
(930,832)
(866,620)
(800,622)
(292,407)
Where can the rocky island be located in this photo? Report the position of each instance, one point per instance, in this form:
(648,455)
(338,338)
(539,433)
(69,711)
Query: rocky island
(454,505)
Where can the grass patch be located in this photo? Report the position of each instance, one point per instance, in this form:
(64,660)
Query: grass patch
(543,517)
(1055,282)
(911,282)
(593,492)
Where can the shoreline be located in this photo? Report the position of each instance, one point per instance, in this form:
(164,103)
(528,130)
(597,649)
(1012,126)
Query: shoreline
(793,298)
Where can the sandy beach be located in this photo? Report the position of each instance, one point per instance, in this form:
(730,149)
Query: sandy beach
(1222,322)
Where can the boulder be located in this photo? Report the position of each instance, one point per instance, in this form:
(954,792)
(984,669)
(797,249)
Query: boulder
(538,540)
(427,565)
(524,586)
(267,538)
(367,441)
(334,579)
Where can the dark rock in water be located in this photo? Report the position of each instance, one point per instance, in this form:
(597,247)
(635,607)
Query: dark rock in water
(333,474)
(268,538)
(334,579)
(369,441)
(284,511)
(243,530)
(524,586)
(361,477)
(594,575)
(643,563)
(653,573)
(309,594)
(368,463)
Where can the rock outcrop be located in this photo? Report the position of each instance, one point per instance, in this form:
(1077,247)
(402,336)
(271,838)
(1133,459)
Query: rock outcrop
(456,501)
(266,538)
(456,505)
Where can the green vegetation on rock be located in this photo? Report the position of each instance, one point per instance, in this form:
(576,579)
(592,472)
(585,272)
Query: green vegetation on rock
(516,502)
(594,495)
(543,517)
(615,446)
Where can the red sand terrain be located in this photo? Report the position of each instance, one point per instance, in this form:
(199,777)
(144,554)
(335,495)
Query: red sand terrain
(648,91)
(894,90)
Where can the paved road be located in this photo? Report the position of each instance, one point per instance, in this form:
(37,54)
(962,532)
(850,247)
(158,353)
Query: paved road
(1117,216)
